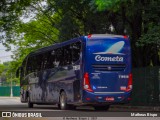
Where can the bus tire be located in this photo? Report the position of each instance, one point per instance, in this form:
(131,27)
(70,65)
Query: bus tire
(30,105)
(71,107)
(63,101)
(101,107)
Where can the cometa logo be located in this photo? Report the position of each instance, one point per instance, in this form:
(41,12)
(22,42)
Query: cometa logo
(112,59)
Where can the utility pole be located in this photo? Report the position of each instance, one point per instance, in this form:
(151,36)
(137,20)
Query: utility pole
(11,94)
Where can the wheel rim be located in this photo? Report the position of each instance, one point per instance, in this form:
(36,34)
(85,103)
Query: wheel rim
(28,100)
(62,101)
(29,105)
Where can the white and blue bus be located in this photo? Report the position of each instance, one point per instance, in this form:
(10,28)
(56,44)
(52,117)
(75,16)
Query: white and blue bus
(92,70)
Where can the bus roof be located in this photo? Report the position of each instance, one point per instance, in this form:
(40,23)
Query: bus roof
(105,36)
(56,45)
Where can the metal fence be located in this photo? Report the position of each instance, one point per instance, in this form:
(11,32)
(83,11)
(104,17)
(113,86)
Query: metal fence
(146,86)
(6,90)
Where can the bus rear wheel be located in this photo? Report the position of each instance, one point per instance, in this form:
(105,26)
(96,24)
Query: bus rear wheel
(101,107)
(63,101)
(30,105)
(71,107)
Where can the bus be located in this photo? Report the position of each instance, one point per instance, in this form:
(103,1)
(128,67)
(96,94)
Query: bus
(93,70)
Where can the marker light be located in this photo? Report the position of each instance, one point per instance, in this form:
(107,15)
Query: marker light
(89,36)
(86,83)
(129,87)
(125,37)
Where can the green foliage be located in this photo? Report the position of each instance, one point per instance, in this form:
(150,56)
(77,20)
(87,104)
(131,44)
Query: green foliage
(7,71)
(2,67)
(152,37)
(113,5)
(53,21)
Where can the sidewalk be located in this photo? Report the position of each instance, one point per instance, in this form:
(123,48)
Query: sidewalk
(125,106)
(129,107)
(9,97)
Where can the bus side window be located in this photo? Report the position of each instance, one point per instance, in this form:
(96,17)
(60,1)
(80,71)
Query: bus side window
(23,69)
(39,62)
(46,57)
(59,57)
(34,64)
(28,66)
(51,60)
(67,55)
(76,49)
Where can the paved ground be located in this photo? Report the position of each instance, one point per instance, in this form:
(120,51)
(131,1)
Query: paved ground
(14,105)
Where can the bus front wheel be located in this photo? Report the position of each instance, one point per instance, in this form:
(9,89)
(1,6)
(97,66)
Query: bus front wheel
(30,105)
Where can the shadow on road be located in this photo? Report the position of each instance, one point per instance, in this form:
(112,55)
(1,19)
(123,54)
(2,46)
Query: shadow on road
(78,109)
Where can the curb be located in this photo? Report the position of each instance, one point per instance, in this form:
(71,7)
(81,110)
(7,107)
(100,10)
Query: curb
(154,108)
(9,97)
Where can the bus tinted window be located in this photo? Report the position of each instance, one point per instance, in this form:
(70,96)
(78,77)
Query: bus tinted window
(46,57)
(29,65)
(39,62)
(63,56)
(67,55)
(59,57)
(51,61)
(76,49)
(23,68)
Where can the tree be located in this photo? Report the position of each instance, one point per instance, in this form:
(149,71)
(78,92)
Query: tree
(138,17)
(54,21)
(1,69)
(51,23)
(5,73)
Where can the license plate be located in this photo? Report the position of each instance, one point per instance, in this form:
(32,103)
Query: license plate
(123,88)
(109,98)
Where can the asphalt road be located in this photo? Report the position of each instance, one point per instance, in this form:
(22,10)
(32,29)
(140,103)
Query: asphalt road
(14,105)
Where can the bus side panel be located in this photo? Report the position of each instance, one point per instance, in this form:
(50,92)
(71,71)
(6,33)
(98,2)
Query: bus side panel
(45,86)
(70,84)
(23,94)
(34,87)
(76,89)
(23,90)
(61,80)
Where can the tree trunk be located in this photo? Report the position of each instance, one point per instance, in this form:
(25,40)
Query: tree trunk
(136,33)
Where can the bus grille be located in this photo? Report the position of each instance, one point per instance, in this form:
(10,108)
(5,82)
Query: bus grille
(109,67)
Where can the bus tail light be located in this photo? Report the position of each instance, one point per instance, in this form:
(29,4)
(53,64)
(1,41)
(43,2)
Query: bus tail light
(88,99)
(86,83)
(129,87)
(125,37)
(90,35)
